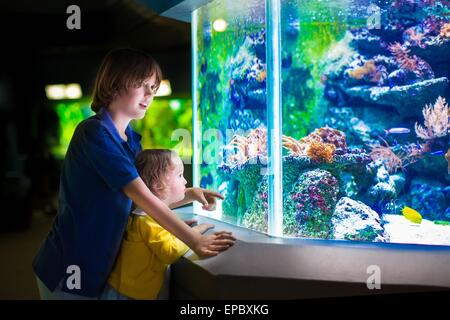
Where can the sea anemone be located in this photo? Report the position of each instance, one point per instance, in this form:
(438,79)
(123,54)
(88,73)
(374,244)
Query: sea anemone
(388,157)
(401,54)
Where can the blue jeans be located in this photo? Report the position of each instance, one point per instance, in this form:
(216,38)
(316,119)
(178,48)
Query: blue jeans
(109,293)
(58,294)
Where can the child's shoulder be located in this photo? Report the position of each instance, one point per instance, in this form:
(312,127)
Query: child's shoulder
(142,217)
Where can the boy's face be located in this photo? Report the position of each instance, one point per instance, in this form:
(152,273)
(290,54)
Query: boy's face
(176,184)
(135,101)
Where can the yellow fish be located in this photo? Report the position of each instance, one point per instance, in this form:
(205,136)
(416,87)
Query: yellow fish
(412,215)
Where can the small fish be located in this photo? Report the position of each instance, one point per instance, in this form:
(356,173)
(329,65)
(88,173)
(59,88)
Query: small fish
(412,215)
(397,131)
(436,153)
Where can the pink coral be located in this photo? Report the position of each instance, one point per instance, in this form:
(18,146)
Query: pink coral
(436,120)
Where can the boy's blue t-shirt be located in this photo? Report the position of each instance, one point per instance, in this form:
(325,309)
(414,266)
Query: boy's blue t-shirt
(93,210)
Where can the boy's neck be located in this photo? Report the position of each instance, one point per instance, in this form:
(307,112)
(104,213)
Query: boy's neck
(120,121)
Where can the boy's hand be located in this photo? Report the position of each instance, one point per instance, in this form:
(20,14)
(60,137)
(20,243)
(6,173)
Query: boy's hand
(202,228)
(204,196)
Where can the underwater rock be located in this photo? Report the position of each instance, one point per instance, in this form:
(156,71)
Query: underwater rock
(367,43)
(428,198)
(243,181)
(314,196)
(435,166)
(408,99)
(435,51)
(401,77)
(354,161)
(256,217)
(248,75)
(361,132)
(447,214)
(244,119)
(353,220)
(348,185)
(399,181)
(385,187)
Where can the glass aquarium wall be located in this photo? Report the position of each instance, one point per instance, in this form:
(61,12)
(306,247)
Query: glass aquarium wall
(364,116)
(229,71)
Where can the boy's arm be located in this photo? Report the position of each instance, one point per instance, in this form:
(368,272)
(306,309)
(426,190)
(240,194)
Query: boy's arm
(208,245)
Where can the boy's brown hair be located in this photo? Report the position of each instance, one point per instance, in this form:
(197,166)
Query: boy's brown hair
(152,165)
(120,70)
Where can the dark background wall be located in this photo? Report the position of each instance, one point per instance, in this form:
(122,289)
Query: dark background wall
(38,49)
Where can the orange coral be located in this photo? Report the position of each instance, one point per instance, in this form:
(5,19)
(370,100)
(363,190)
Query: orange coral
(321,152)
(367,69)
(445,31)
(324,135)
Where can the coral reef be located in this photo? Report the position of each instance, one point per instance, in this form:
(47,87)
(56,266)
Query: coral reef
(353,220)
(314,196)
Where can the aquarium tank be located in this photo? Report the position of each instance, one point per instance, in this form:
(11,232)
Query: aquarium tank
(325,119)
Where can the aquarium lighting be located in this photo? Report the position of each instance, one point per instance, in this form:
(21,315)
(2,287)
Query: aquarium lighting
(63,91)
(73,91)
(175,104)
(164,89)
(220,25)
(55,91)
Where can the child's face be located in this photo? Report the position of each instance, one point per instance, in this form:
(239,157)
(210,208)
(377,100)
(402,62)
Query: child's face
(135,101)
(176,184)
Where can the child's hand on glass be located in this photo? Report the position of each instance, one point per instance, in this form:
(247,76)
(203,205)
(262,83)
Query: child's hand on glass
(203,227)
(212,244)
(206,197)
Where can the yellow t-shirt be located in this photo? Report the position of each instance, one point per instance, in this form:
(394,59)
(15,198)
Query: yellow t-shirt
(146,251)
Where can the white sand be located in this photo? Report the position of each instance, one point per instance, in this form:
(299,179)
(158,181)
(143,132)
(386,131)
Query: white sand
(401,230)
